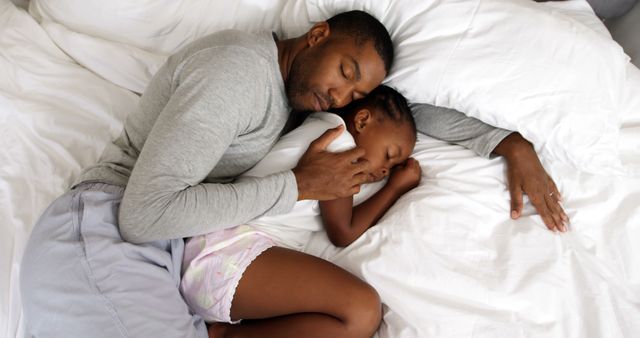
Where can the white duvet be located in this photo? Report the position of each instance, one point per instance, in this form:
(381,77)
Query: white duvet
(55,119)
(446,259)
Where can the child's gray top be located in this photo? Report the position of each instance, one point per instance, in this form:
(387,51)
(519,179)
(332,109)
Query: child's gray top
(210,113)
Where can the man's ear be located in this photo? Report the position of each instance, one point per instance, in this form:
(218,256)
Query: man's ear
(362,119)
(318,33)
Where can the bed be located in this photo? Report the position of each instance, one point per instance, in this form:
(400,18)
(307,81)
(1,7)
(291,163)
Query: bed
(446,259)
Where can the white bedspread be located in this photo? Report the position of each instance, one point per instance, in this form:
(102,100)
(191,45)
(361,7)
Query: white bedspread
(55,118)
(446,259)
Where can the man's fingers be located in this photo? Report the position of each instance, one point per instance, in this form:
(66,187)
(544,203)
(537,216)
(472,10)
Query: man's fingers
(553,190)
(543,205)
(361,166)
(354,154)
(360,178)
(516,201)
(558,198)
(326,138)
(554,204)
(354,190)
(539,203)
(547,219)
(554,212)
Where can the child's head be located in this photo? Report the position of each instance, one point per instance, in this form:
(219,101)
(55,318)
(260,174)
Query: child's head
(383,126)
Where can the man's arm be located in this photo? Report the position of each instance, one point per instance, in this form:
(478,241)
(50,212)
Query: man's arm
(453,126)
(525,173)
(165,196)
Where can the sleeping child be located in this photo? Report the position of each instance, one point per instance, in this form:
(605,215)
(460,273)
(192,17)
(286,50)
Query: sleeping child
(216,264)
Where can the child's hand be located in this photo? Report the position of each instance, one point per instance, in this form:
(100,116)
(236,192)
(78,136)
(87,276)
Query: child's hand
(405,176)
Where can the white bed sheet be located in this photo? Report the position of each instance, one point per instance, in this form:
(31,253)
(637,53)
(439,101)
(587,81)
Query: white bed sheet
(446,259)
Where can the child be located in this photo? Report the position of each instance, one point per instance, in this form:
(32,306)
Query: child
(255,271)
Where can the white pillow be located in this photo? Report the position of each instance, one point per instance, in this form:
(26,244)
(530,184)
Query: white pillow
(125,65)
(126,41)
(514,64)
(160,26)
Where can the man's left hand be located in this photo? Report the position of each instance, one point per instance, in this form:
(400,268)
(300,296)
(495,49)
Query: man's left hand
(525,174)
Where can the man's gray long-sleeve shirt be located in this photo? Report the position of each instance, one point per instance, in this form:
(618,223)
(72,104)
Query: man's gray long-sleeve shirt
(210,113)
(453,126)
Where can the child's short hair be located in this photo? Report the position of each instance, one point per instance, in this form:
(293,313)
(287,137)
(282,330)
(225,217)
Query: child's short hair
(388,100)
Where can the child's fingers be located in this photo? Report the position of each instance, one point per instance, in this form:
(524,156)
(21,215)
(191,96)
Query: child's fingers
(413,164)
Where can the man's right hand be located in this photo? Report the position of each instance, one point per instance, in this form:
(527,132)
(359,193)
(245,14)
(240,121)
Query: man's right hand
(323,175)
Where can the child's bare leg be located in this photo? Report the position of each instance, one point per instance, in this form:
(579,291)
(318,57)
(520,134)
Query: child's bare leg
(309,297)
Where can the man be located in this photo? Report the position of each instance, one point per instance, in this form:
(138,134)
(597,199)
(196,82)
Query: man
(104,259)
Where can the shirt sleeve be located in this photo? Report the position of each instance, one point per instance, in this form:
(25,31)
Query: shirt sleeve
(453,126)
(166,197)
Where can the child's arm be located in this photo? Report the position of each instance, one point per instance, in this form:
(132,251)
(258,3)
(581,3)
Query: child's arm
(344,223)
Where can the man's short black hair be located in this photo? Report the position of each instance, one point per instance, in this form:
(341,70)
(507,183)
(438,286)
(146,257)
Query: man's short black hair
(392,104)
(363,27)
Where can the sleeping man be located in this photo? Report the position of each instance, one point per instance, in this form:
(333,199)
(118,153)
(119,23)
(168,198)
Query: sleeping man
(104,259)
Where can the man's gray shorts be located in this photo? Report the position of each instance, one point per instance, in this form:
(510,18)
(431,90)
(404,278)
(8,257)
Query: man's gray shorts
(81,279)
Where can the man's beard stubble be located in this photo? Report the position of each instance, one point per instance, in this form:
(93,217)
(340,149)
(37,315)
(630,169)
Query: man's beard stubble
(296,86)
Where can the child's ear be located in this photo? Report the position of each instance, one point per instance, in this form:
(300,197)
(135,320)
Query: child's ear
(362,119)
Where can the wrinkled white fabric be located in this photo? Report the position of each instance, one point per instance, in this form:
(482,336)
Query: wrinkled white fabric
(446,259)
(127,41)
(55,119)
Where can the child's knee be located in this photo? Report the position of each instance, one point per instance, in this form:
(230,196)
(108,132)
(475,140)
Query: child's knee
(365,313)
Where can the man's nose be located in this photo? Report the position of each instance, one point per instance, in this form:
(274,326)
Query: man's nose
(341,98)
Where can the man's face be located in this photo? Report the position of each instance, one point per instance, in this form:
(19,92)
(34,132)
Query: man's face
(333,72)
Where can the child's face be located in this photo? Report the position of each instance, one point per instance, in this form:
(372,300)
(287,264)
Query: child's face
(386,142)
